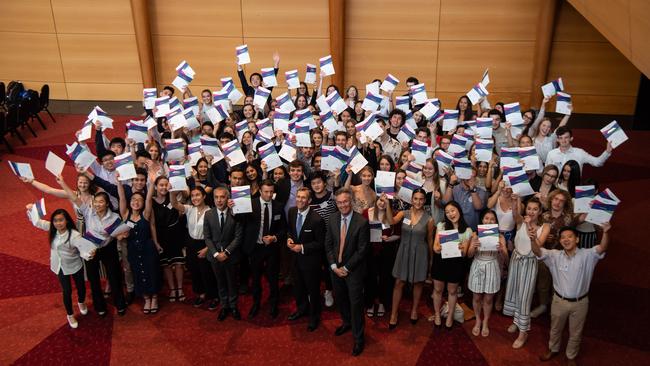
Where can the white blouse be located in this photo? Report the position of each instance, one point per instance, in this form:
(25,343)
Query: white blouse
(66,253)
(195,221)
(96,225)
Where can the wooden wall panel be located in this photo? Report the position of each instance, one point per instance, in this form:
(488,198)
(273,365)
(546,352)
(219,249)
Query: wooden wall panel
(93,16)
(496,20)
(101,91)
(211,57)
(196,18)
(449,99)
(572,27)
(611,18)
(366,60)
(285,18)
(26,16)
(461,65)
(100,58)
(387,19)
(33,56)
(639,30)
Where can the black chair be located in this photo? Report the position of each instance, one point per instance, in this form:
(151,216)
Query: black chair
(44,98)
(3,132)
(14,119)
(32,105)
(3,96)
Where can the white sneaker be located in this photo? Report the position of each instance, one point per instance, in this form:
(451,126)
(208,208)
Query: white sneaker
(538,311)
(459,293)
(381,310)
(329,300)
(83,309)
(73,322)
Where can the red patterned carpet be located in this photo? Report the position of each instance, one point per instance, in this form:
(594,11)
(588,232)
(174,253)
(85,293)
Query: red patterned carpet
(33,328)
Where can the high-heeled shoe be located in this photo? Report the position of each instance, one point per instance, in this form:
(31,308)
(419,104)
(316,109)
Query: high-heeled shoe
(154,304)
(437,322)
(414,321)
(449,326)
(173,295)
(392,326)
(180,295)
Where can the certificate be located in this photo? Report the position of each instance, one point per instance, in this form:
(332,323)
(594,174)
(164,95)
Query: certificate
(477,92)
(328,121)
(243,57)
(484,127)
(370,128)
(429,110)
(336,103)
(406,134)
(175,149)
(333,157)
(54,164)
(310,74)
(601,211)
(241,196)
(281,121)
(443,159)
(191,104)
(194,152)
(21,169)
(303,139)
(450,120)
(419,94)
(450,242)
(37,212)
(484,149)
(550,89)
(137,131)
(509,156)
(293,82)
(458,144)
(99,116)
(80,155)
(488,236)
(161,106)
(463,168)
(356,161)
(583,197)
(562,103)
(409,185)
(385,183)
(177,178)
(420,151)
(372,102)
(614,134)
(149,97)
(389,84)
(176,119)
(233,152)
(326,65)
(287,151)
(285,104)
(268,77)
(403,103)
(190,119)
(124,165)
(261,97)
(519,183)
(270,156)
(528,156)
(86,131)
(210,146)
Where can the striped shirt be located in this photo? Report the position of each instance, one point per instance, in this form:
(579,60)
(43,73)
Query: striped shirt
(325,206)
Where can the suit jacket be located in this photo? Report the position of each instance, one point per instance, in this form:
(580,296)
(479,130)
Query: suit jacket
(253,222)
(311,236)
(218,238)
(356,242)
(283,190)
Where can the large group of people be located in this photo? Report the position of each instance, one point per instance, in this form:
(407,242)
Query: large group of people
(314,228)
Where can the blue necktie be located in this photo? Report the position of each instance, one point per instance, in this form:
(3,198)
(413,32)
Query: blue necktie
(298,224)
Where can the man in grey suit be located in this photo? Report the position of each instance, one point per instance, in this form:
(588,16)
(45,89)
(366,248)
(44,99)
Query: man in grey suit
(223,236)
(346,244)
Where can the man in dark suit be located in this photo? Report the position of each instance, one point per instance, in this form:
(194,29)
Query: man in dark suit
(264,231)
(306,238)
(346,245)
(223,236)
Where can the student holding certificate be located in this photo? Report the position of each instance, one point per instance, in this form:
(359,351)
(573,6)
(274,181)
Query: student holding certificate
(451,270)
(464,108)
(363,196)
(484,275)
(566,151)
(412,259)
(522,271)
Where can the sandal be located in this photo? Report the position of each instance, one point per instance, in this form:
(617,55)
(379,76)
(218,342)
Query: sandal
(147,306)
(485,332)
(154,304)
(476,330)
(180,295)
(173,295)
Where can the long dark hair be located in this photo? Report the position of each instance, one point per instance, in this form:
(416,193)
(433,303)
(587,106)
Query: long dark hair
(462,225)
(574,177)
(469,113)
(69,224)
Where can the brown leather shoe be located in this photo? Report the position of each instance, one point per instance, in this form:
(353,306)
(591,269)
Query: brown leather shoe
(571,362)
(548,356)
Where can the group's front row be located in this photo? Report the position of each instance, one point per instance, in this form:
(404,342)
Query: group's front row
(342,243)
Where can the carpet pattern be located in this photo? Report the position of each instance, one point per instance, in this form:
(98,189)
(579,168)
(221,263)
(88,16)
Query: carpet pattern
(34,330)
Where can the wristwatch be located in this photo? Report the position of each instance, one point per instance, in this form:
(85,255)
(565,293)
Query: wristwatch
(473,190)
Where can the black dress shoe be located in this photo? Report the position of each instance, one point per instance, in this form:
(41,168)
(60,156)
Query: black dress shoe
(223,314)
(313,325)
(121,312)
(274,311)
(198,302)
(252,313)
(235,314)
(357,349)
(414,321)
(342,330)
(295,316)
(213,305)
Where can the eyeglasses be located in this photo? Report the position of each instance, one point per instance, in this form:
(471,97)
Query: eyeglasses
(550,175)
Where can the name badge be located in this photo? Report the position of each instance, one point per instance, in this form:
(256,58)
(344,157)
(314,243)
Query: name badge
(384,226)
(564,268)
(130,224)
(307,231)
(170,206)
(323,205)
(407,221)
(276,217)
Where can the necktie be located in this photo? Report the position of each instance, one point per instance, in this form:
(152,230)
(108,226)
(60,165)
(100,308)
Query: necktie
(222,221)
(298,224)
(344,232)
(267,214)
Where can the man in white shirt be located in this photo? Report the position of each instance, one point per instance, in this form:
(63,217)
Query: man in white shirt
(572,270)
(565,152)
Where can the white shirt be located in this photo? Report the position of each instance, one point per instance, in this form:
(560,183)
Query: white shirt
(262,208)
(304,217)
(97,225)
(571,275)
(559,158)
(195,221)
(65,255)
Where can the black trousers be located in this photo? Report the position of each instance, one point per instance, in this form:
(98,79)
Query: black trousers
(349,298)
(306,289)
(226,274)
(108,256)
(203,279)
(66,286)
(379,278)
(265,259)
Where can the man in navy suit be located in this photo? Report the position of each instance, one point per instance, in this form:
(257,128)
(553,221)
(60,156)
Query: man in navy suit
(306,238)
